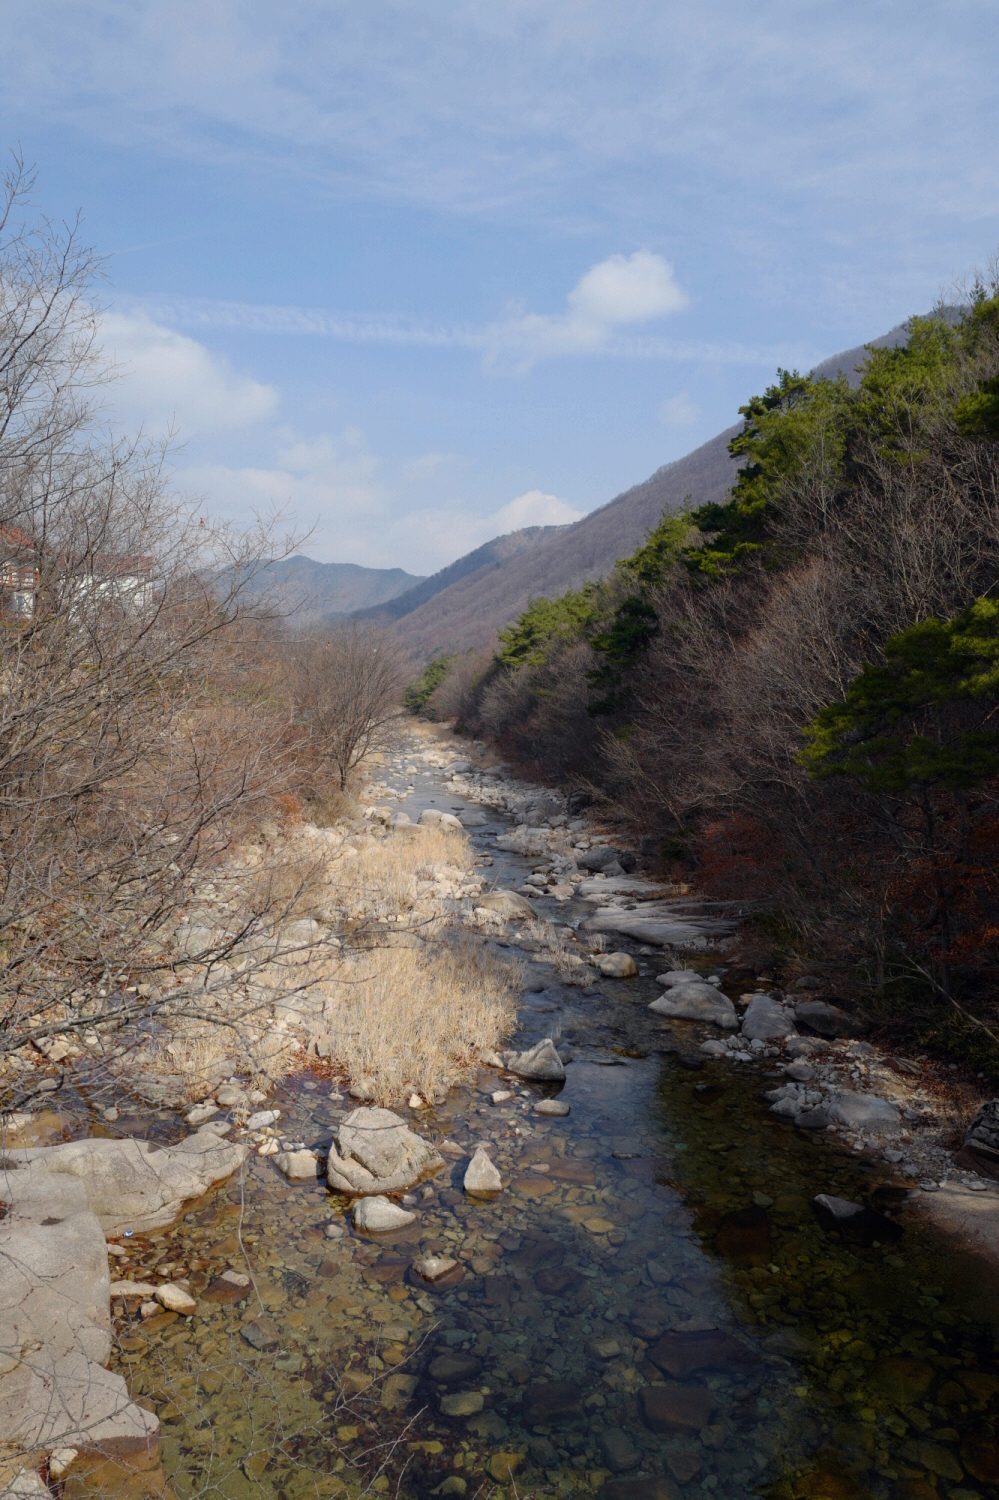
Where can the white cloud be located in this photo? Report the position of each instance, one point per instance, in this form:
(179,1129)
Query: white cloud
(680,411)
(617,293)
(531,509)
(167,379)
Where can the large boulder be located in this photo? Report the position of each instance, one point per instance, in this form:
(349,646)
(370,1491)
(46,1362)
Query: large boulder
(132,1184)
(506,904)
(540,1062)
(602,856)
(697,1001)
(864,1112)
(376,1152)
(825,1019)
(767,1020)
(980,1151)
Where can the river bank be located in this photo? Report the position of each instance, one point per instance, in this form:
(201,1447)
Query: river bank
(650,1305)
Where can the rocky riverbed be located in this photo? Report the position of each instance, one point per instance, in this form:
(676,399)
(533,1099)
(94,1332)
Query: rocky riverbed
(699,1259)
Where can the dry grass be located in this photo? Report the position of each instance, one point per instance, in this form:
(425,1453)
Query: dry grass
(414,1017)
(569,965)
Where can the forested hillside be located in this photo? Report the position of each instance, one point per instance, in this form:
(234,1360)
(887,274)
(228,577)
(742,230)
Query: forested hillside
(793,693)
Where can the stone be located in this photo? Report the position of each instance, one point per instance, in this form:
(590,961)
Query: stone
(803,1046)
(131,1184)
(980,1456)
(617,966)
(818,1118)
(902,1379)
(825,1019)
(506,904)
(743,1236)
(656,1487)
(500,1096)
(620,1453)
(454,1368)
(864,1112)
(462,1403)
(334,1231)
(480,1174)
(175,1299)
(377,1153)
(377,1215)
(551,1401)
(237,1279)
(263,1118)
(980,1151)
(61,1461)
(472,817)
(432,1267)
(677,1408)
(697,1001)
(540,1062)
(200,1113)
(260,1333)
(362,1088)
(604,855)
(453,1485)
(229,1095)
(657,925)
(681,1355)
(933,1456)
(68,1400)
(800,1072)
(606,1348)
(26,1484)
(398,1391)
(298,1166)
(502,1466)
(766,1020)
(555,1109)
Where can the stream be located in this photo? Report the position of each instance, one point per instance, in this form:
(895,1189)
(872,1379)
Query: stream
(650,1308)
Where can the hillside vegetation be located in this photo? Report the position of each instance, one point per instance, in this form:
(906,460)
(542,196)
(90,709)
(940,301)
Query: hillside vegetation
(792,693)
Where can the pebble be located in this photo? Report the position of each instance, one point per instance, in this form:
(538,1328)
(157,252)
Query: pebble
(433,1267)
(481,1176)
(175,1299)
(554,1108)
(377,1215)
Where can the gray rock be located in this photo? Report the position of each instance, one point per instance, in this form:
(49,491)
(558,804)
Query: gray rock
(697,1001)
(433,1267)
(620,1453)
(506,904)
(837,1208)
(825,1019)
(980,1152)
(132,1184)
(27,1484)
(481,1176)
(540,1062)
(673,977)
(471,817)
(814,1119)
(803,1046)
(263,1118)
(800,1072)
(554,1108)
(658,925)
(604,855)
(617,966)
(230,1094)
(200,1113)
(298,1166)
(379,1216)
(452,1369)
(71,1401)
(462,1403)
(376,1152)
(864,1112)
(767,1019)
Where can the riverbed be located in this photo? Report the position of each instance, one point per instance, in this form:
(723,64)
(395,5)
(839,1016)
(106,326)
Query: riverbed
(650,1307)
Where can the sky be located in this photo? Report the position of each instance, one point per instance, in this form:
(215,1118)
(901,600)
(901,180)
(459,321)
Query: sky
(418,275)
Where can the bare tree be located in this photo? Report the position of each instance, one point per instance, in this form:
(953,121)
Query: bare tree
(347,689)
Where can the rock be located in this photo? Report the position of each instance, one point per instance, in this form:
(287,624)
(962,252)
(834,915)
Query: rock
(472,817)
(500,1096)
(298,1166)
(237,1279)
(606,1348)
(677,1408)
(684,1354)
(980,1152)
(362,1088)
(263,1118)
(818,1118)
(462,1403)
(61,1461)
(416,1102)
(553,1108)
(803,1046)
(480,1175)
(502,1466)
(620,1453)
(604,855)
(551,1402)
(132,1184)
(26,1484)
(767,1019)
(200,1113)
(697,1001)
(453,1485)
(229,1095)
(825,1019)
(376,1215)
(800,1072)
(376,1152)
(72,1401)
(506,904)
(398,1391)
(175,1299)
(540,1062)
(334,1231)
(855,1222)
(261,1333)
(864,1112)
(432,1267)
(658,925)
(130,1291)
(453,1368)
(933,1456)
(980,1455)
(744,1236)
(617,966)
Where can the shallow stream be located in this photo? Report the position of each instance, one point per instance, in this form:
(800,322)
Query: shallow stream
(669,1202)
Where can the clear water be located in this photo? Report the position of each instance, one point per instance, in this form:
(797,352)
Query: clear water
(847,1371)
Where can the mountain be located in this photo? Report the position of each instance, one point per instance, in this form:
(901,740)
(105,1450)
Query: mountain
(310,592)
(490,555)
(481,600)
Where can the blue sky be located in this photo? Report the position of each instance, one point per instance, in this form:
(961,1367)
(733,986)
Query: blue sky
(422,274)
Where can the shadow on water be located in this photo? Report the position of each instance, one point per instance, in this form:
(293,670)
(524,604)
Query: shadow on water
(651,1307)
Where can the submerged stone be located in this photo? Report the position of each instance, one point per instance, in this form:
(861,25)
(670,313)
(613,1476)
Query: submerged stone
(376,1215)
